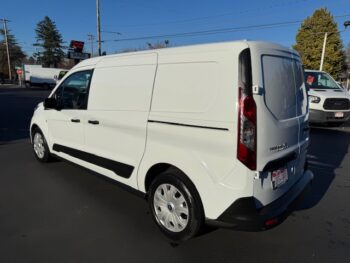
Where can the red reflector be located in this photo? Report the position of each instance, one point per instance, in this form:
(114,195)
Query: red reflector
(271,222)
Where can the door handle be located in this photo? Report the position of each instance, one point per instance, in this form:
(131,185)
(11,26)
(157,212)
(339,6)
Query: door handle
(93,122)
(75,120)
(306,128)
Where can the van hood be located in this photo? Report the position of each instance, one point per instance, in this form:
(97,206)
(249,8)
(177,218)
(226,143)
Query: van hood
(329,93)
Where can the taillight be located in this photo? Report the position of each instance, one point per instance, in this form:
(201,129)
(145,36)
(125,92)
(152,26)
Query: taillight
(246,148)
(271,222)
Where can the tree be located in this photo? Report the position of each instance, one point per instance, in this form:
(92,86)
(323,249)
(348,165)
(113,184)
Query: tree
(29,60)
(66,63)
(50,40)
(16,53)
(156,45)
(347,58)
(309,43)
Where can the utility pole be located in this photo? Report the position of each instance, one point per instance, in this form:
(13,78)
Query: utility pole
(7,46)
(91,40)
(98,27)
(323,50)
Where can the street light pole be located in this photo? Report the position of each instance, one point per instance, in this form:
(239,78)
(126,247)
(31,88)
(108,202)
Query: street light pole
(7,47)
(98,27)
(346,24)
(323,50)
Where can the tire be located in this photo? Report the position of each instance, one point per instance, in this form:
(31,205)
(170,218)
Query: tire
(39,145)
(176,206)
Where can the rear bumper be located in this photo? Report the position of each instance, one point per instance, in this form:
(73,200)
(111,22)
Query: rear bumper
(243,214)
(319,116)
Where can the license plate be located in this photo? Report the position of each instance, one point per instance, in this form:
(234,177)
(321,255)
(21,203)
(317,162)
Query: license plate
(279,177)
(339,114)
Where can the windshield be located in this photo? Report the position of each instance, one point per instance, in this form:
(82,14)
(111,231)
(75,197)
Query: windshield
(319,80)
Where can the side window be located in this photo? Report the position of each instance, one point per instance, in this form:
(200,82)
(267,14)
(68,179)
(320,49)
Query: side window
(73,92)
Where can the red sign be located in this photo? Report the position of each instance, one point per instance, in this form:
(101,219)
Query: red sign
(77,46)
(19,71)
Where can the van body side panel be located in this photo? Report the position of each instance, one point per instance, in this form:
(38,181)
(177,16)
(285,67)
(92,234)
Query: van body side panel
(193,124)
(197,84)
(202,154)
(119,100)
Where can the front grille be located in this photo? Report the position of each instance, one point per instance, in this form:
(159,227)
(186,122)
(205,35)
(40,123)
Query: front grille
(336,104)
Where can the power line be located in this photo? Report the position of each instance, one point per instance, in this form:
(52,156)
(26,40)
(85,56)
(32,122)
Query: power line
(201,18)
(215,31)
(204,32)
(111,32)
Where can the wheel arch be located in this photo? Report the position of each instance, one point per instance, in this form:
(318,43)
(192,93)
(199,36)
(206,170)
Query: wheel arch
(159,168)
(154,171)
(32,128)
(38,124)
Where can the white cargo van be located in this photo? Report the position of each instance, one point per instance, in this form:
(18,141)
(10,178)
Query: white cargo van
(213,133)
(27,69)
(329,103)
(36,75)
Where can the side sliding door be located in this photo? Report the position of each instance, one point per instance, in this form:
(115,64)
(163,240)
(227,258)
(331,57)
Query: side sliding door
(117,114)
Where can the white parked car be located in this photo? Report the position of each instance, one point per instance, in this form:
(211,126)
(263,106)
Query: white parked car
(329,103)
(214,134)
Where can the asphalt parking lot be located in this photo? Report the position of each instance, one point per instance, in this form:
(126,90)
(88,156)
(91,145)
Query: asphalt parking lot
(58,212)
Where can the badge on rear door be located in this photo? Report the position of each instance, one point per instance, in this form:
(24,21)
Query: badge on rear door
(279,147)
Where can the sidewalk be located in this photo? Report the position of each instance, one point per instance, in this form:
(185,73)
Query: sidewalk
(11,86)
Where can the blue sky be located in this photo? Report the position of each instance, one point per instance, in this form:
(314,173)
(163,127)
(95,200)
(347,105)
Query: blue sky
(137,18)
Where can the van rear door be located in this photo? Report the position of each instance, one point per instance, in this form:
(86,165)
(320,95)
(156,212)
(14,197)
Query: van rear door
(282,129)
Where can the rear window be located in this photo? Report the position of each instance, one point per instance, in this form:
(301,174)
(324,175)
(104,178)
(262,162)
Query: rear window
(285,94)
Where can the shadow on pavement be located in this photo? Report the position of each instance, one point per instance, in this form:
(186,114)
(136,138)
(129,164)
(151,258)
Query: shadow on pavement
(16,110)
(327,149)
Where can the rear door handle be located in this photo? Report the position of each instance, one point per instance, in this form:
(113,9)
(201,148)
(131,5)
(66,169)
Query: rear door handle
(75,120)
(93,122)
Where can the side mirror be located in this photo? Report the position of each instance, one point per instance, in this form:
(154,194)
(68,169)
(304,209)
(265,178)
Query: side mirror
(50,103)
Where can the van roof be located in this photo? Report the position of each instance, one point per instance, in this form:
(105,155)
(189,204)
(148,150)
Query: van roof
(212,46)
